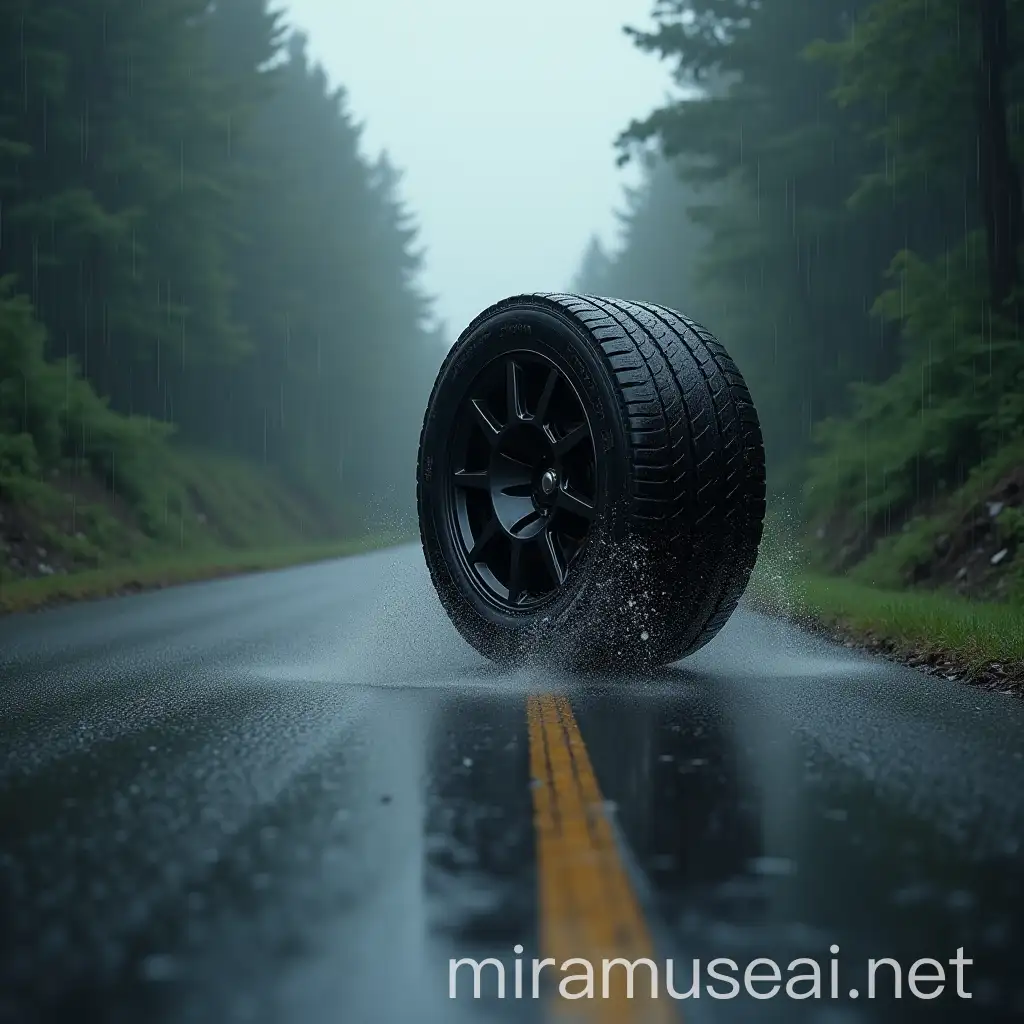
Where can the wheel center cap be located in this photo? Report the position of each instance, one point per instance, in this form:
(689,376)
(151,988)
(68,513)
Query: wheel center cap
(549,481)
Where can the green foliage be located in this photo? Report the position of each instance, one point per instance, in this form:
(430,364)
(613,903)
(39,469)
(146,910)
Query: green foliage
(228,503)
(197,248)
(1010,523)
(831,154)
(18,457)
(49,413)
(972,633)
(895,559)
(920,110)
(786,274)
(956,398)
(337,325)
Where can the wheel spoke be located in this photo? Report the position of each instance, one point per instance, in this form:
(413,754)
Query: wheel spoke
(550,557)
(514,467)
(524,521)
(566,444)
(541,413)
(515,574)
(487,534)
(485,421)
(523,490)
(534,475)
(475,480)
(515,409)
(569,502)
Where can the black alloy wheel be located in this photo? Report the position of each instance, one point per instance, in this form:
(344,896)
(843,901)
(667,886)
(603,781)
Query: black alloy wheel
(590,483)
(522,480)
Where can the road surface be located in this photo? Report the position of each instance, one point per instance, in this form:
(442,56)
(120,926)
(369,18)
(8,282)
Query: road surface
(297,796)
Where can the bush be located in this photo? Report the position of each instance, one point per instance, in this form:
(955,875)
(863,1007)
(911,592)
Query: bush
(956,399)
(50,415)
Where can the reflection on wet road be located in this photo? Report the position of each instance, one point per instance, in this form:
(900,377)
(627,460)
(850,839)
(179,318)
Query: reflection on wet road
(295,797)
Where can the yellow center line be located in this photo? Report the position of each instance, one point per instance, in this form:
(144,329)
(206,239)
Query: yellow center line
(588,908)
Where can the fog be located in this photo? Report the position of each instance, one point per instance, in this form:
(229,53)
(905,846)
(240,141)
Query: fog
(502,119)
(234,260)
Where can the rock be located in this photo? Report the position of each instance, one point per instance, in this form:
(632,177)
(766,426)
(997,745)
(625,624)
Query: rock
(942,544)
(962,573)
(41,552)
(45,569)
(994,508)
(999,556)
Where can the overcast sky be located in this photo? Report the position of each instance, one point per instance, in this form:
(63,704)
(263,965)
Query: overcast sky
(502,117)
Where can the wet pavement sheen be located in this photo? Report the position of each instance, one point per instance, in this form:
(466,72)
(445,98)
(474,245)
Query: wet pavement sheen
(295,796)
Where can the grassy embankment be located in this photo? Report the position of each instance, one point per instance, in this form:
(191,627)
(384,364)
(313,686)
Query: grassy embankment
(945,592)
(66,537)
(976,641)
(165,571)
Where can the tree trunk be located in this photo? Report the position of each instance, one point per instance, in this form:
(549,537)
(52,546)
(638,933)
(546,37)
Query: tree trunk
(1000,177)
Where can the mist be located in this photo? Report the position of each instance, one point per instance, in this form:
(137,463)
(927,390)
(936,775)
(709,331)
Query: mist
(237,247)
(678,620)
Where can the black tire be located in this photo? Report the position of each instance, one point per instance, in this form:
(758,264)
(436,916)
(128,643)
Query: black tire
(673,474)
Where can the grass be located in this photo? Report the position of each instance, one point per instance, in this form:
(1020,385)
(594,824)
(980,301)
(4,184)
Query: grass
(198,516)
(244,505)
(894,558)
(922,625)
(26,595)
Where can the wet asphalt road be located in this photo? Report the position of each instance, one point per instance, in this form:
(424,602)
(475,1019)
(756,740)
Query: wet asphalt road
(293,797)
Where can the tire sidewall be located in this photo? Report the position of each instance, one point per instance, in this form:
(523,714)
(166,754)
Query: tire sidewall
(532,329)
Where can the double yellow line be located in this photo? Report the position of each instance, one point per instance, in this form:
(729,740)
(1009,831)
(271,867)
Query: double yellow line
(588,908)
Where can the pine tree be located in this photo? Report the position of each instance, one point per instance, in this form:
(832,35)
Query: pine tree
(185,204)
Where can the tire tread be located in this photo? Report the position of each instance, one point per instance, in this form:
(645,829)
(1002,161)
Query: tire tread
(695,451)
(697,439)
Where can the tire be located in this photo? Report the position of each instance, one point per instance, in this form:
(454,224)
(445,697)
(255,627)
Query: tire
(613,521)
